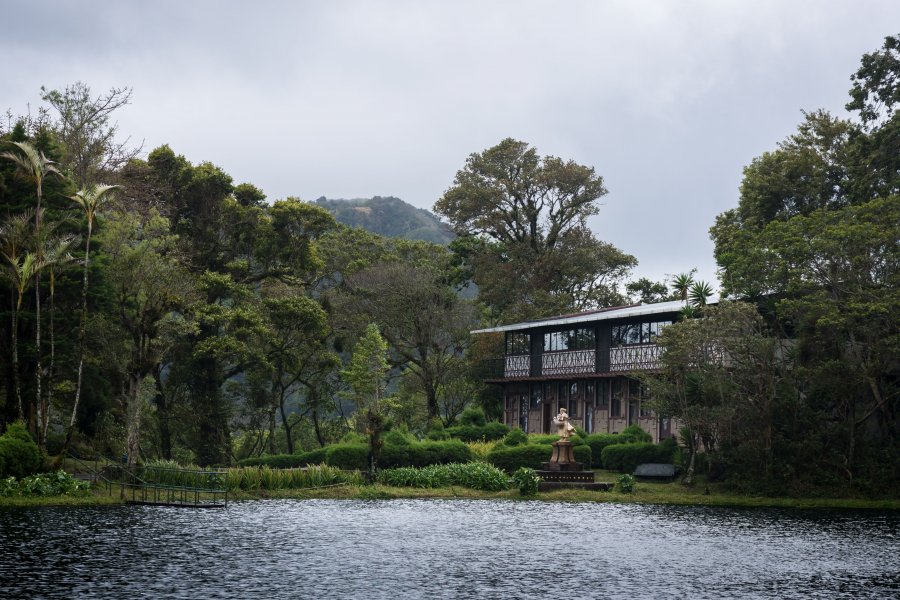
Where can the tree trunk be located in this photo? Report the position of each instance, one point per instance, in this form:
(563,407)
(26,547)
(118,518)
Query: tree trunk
(34,417)
(15,361)
(81,335)
(272,430)
(133,419)
(317,427)
(287,426)
(163,414)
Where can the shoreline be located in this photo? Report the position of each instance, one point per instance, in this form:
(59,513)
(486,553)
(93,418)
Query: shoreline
(647,493)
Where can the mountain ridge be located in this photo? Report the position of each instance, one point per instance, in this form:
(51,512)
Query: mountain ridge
(389,216)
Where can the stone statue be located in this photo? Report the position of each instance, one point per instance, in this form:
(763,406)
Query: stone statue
(563,428)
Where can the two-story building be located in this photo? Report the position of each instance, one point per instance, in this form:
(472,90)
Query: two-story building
(582,363)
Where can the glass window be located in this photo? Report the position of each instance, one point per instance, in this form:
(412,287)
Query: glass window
(603,393)
(536,396)
(574,400)
(589,397)
(570,339)
(517,343)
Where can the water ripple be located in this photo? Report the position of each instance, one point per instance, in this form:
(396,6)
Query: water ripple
(446,549)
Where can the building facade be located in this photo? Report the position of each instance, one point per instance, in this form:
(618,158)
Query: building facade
(584,363)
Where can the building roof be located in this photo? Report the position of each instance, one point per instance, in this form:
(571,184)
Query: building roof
(619,312)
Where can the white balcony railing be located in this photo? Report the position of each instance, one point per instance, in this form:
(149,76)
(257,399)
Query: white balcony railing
(517,366)
(634,358)
(567,363)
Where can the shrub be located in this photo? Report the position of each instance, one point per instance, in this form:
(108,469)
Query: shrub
(476,433)
(549,438)
(527,481)
(353,437)
(348,456)
(316,456)
(634,433)
(19,455)
(511,458)
(251,478)
(422,454)
(626,457)
(59,483)
(473,416)
(516,437)
(474,475)
(480,450)
(583,455)
(395,437)
(599,441)
(625,484)
(437,432)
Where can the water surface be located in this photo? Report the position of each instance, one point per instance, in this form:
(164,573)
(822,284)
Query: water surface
(446,549)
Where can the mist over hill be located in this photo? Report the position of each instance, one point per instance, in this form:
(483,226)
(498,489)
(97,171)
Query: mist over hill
(389,216)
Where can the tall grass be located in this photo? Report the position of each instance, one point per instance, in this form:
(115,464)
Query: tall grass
(267,478)
(480,449)
(475,475)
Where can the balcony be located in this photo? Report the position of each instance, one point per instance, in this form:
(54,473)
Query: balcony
(642,357)
(569,363)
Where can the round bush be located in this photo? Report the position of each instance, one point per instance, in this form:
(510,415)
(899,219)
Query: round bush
(598,442)
(472,416)
(348,456)
(516,437)
(626,457)
(19,455)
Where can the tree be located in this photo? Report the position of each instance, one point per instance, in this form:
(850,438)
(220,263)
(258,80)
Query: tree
(522,222)
(366,376)
(647,291)
(84,129)
(90,201)
(423,319)
(148,284)
(876,84)
(34,166)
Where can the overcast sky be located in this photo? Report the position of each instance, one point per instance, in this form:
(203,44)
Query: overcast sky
(668,100)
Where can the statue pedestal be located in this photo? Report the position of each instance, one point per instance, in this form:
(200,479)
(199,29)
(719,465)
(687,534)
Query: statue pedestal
(563,458)
(563,472)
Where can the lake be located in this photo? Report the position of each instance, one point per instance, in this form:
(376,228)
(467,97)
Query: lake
(446,549)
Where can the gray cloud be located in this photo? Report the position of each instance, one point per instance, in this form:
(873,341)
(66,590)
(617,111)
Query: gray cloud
(668,100)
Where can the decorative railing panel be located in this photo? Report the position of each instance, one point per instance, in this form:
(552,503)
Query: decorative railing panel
(634,358)
(567,363)
(517,366)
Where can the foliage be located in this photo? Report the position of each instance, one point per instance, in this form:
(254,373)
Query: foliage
(348,456)
(480,450)
(532,455)
(429,452)
(526,480)
(626,457)
(390,217)
(516,437)
(635,433)
(473,416)
(599,441)
(625,484)
(58,483)
(524,239)
(493,430)
(286,461)
(267,478)
(19,455)
(474,475)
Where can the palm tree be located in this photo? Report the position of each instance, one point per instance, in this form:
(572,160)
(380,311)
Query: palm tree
(699,293)
(56,251)
(89,200)
(682,282)
(19,270)
(14,236)
(34,166)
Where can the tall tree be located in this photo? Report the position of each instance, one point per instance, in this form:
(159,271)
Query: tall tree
(522,222)
(85,130)
(366,375)
(90,202)
(34,166)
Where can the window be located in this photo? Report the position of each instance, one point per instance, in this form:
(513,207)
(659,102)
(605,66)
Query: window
(523,414)
(616,407)
(636,333)
(570,339)
(536,396)
(619,395)
(645,401)
(518,344)
(603,393)
(573,399)
(563,398)
(589,398)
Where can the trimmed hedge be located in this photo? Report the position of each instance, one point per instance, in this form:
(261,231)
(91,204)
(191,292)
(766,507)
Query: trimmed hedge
(422,454)
(286,461)
(626,457)
(599,441)
(516,437)
(549,438)
(511,458)
(352,457)
(635,433)
(476,433)
(19,455)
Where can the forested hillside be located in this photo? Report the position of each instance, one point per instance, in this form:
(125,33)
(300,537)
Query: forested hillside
(389,216)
